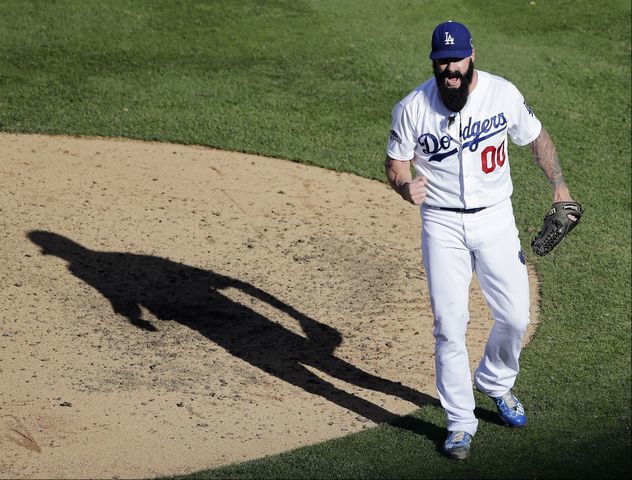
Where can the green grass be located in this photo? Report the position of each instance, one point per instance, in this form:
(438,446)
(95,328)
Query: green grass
(314,81)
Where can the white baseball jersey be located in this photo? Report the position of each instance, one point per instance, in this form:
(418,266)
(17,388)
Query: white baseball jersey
(463,155)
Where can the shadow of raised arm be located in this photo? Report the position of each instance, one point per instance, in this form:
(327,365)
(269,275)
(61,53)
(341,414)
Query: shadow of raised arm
(322,335)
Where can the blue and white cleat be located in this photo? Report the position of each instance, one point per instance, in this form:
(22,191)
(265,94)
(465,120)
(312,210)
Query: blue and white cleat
(457,445)
(510,409)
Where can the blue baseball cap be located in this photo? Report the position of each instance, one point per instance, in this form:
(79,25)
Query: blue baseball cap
(451,40)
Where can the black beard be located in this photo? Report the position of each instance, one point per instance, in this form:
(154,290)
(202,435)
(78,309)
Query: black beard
(454,98)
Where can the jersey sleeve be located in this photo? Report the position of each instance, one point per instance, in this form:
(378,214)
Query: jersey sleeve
(401,138)
(524,126)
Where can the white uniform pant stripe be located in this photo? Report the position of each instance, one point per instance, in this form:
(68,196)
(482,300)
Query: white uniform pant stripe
(453,246)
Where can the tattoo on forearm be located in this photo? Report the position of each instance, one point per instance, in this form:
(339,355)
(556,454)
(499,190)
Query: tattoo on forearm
(545,155)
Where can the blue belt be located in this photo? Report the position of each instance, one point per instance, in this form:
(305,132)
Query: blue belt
(457,210)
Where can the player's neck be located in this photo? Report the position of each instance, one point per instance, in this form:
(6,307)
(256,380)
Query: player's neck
(474,82)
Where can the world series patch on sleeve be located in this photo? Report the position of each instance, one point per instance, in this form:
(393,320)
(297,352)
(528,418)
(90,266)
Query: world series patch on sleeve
(558,222)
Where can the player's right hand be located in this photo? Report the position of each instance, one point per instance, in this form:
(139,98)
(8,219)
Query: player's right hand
(415,191)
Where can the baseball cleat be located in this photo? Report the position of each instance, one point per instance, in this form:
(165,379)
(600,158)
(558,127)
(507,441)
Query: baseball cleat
(510,409)
(457,445)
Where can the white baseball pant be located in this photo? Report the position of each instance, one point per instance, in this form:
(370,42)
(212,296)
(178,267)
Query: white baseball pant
(453,246)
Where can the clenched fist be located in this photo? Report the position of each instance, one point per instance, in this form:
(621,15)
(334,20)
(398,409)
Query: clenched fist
(415,191)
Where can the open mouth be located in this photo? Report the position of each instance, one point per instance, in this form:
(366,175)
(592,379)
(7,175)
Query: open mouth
(453,82)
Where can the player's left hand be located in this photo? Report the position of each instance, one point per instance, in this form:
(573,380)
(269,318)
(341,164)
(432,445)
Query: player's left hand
(558,222)
(562,194)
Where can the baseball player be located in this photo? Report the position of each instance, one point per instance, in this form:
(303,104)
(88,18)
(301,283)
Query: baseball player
(454,130)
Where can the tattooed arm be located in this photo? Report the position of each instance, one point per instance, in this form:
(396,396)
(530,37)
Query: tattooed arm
(545,156)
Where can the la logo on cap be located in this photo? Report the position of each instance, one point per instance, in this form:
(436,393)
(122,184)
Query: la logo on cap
(451,40)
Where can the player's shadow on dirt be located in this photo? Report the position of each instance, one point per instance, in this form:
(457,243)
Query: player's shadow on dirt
(193,297)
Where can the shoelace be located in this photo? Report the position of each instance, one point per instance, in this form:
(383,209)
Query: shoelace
(510,400)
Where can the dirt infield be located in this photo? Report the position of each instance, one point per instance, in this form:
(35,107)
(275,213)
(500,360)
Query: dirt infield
(167,308)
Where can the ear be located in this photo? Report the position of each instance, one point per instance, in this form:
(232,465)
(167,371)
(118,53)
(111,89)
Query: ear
(473,56)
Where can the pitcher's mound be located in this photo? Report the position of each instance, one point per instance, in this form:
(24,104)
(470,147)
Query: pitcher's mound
(167,309)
